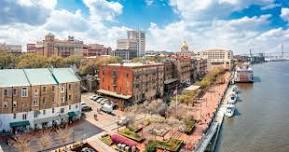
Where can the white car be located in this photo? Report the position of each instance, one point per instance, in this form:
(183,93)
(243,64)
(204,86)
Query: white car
(102,102)
(99,99)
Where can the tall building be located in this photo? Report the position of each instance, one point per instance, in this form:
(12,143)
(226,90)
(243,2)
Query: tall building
(140,38)
(11,48)
(38,98)
(129,83)
(217,58)
(135,42)
(55,47)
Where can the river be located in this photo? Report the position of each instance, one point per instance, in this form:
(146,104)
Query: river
(261,123)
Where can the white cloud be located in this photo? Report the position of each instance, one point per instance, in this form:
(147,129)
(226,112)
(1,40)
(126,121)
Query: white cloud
(91,29)
(103,10)
(149,2)
(285,14)
(238,34)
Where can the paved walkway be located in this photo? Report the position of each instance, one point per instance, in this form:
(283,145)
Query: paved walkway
(218,120)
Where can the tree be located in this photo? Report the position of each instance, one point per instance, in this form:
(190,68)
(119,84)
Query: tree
(7,60)
(31,61)
(64,134)
(73,60)
(22,142)
(45,141)
(56,61)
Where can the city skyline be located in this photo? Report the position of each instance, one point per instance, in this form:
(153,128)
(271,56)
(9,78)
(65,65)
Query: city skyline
(260,25)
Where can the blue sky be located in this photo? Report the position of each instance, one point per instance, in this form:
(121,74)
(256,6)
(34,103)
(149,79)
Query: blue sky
(240,25)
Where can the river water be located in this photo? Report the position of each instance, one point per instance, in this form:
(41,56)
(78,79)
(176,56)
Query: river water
(261,123)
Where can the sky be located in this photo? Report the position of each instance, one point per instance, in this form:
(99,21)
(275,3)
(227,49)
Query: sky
(239,25)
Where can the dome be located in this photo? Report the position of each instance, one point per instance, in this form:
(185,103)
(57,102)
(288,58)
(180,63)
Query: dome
(184,47)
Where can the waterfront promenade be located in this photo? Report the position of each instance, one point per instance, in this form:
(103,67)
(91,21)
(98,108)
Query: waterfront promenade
(204,111)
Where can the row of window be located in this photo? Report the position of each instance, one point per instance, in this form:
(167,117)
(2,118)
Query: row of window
(24,91)
(36,113)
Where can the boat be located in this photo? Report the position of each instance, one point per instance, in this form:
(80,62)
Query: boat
(235,89)
(244,74)
(230,110)
(233,98)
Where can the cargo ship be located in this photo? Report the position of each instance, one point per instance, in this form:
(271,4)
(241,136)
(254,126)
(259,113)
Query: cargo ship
(244,74)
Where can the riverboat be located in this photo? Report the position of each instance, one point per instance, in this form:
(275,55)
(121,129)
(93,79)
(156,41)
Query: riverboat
(244,74)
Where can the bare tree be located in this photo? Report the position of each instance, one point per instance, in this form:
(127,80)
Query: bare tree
(22,142)
(45,141)
(64,134)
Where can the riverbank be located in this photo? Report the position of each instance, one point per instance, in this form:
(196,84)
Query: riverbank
(261,121)
(206,111)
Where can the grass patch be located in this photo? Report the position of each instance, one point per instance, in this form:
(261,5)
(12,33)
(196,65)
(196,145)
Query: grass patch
(130,134)
(106,139)
(171,144)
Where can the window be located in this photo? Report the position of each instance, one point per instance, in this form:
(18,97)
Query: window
(44,100)
(62,110)
(62,89)
(14,104)
(53,110)
(5,92)
(69,107)
(76,106)
(14,115)
(24,116)
(24,92)
(34,102)
(69,97)
(14,92)
(53,88)
(5,104)
(69,86)
(44,112)
(44,89)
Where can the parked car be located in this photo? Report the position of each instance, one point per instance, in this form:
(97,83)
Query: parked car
(123,121)
(99,99)
(107,108)
(102,102)
(86,108)
(83,104)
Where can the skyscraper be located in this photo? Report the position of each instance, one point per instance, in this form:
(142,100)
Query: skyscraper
(139,36)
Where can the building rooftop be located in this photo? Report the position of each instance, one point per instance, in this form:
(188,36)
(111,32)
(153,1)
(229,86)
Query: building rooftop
(32,77)
(137,64)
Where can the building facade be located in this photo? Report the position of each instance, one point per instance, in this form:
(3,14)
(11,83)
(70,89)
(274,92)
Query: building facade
(125,54)
(95,50)
(171,80)
(11,48)
(131,83)
(184,50)
(135,41)
(38,98)
(55,47)
(217,58)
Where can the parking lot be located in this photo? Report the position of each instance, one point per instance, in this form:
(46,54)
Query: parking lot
(104,120)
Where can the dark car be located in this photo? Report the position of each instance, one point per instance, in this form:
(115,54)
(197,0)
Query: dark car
(86,109)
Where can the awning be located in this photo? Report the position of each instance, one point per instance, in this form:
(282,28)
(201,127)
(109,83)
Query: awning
(71,114)
(48,119)
(114,94)
(170,81)
(19,124)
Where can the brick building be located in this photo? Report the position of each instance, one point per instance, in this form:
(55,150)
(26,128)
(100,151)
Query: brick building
(130,83)
(95,50)
(51,46)
(38,98)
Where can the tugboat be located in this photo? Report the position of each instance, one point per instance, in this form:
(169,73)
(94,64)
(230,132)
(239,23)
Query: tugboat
(230,110)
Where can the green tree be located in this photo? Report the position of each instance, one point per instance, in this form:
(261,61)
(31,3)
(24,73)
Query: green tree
(7,60)
(31,61)
(73,60)
(56,61)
